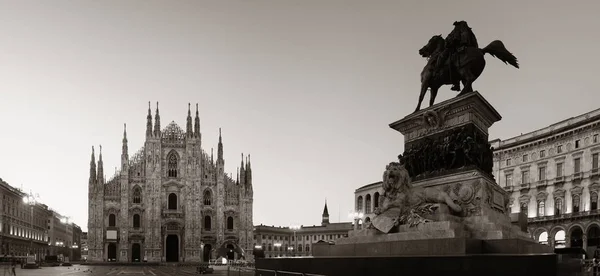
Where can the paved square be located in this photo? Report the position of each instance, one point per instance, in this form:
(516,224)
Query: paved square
(77,270)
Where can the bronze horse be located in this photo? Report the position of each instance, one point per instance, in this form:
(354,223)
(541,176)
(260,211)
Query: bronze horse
(468,65)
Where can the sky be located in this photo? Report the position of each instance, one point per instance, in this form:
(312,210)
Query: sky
(308,88)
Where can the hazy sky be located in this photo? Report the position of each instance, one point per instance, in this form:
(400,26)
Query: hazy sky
(308,88)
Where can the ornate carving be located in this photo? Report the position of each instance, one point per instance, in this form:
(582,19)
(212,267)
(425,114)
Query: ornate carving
(447,152)
(524,198)
(541,196)
(559,193)
(402,202)
(577,190)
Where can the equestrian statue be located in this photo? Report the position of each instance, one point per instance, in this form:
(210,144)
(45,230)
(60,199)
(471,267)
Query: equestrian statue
(457,59)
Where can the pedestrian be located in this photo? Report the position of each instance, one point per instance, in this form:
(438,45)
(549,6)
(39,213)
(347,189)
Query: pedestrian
(5,266)
(14,266)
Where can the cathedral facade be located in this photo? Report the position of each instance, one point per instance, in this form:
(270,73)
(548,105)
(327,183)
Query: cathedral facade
(170,202)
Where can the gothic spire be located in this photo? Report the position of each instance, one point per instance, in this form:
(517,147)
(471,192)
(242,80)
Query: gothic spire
(188,128)
(124,152)
(100,168)
(237,178)
(220,148)
(197,124)
(157,123)
(248,172)
(242,171)
(93,167)
(212,160)
(149,122)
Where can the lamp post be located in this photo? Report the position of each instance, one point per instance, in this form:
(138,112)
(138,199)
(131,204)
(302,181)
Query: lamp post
(355,216)
(295,228)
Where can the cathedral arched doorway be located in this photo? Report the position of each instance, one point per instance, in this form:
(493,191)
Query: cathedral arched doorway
(230,252)
(172,248)
(206,253)
(112,252)
(136,253)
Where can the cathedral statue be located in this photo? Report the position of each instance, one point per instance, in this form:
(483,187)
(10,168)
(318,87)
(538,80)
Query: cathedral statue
(456,59)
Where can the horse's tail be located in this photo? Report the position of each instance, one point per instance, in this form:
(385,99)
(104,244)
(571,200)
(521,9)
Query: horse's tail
(496,49)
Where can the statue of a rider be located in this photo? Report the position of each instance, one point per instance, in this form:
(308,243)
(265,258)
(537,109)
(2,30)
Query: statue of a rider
(457,41)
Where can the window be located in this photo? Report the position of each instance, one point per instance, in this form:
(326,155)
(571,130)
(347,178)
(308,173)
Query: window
(559,169)
(595,138)
(559,149)
(307,248)
(172,202)
(577,144)
(558,206)
(595,161)
(207,223)
(229,223)
(172,165)
(368,204)
(509,180)
(577,165)
(207,197)
(541,208)
(542,153)
(136,221)
(359,204)
(525,158)
(594,200)
(524,207)
(525,177)
(376,200)
(137,195)
(576,203)
(112,220)
(542,173)
(508,162)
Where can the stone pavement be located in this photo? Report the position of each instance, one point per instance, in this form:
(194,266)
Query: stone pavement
(77,270)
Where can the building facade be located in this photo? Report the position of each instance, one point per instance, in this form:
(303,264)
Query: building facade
(59,239)
(23,223)
(84,247)
(76,246)
(170,202)
(277,241)
(366,199)
(552,176)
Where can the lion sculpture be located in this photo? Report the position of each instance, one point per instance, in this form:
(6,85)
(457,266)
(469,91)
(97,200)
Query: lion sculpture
(401,199)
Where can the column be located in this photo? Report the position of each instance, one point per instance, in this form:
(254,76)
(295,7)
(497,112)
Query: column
(567,240)
(584,238)
(551,241)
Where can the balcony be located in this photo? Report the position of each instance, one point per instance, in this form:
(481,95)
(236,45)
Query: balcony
(594,172)
(168,213)
(541,183)
(577,176)
(524,186)
(509,188)
(559,180)
(564,216)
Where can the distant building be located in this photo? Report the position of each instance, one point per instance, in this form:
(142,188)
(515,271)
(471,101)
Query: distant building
(22,223)
(552,176)
(366,198)
(171,201)
(76,246)
(277,241)
(59,240)
(84,246)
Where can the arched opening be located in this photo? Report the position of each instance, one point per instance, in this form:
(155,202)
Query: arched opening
(543,238)
(559,239)
(112,252)
(593,236)
(230,252)
(206,252)
(172,165)
(359,204)
(137,195)
(541,208)
(229,223)
(376,200)
(576,203)
(172,201)
(136,253)
(112,220)
(367,220)
(359,224)
(207,223)
(594,200)
(524,208)
(172,248)
(307,248)
(577,237)
(368,204)
(207,197)
(136,221)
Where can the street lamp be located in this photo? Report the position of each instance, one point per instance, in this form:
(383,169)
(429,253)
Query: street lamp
(355,216)
(295,228)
